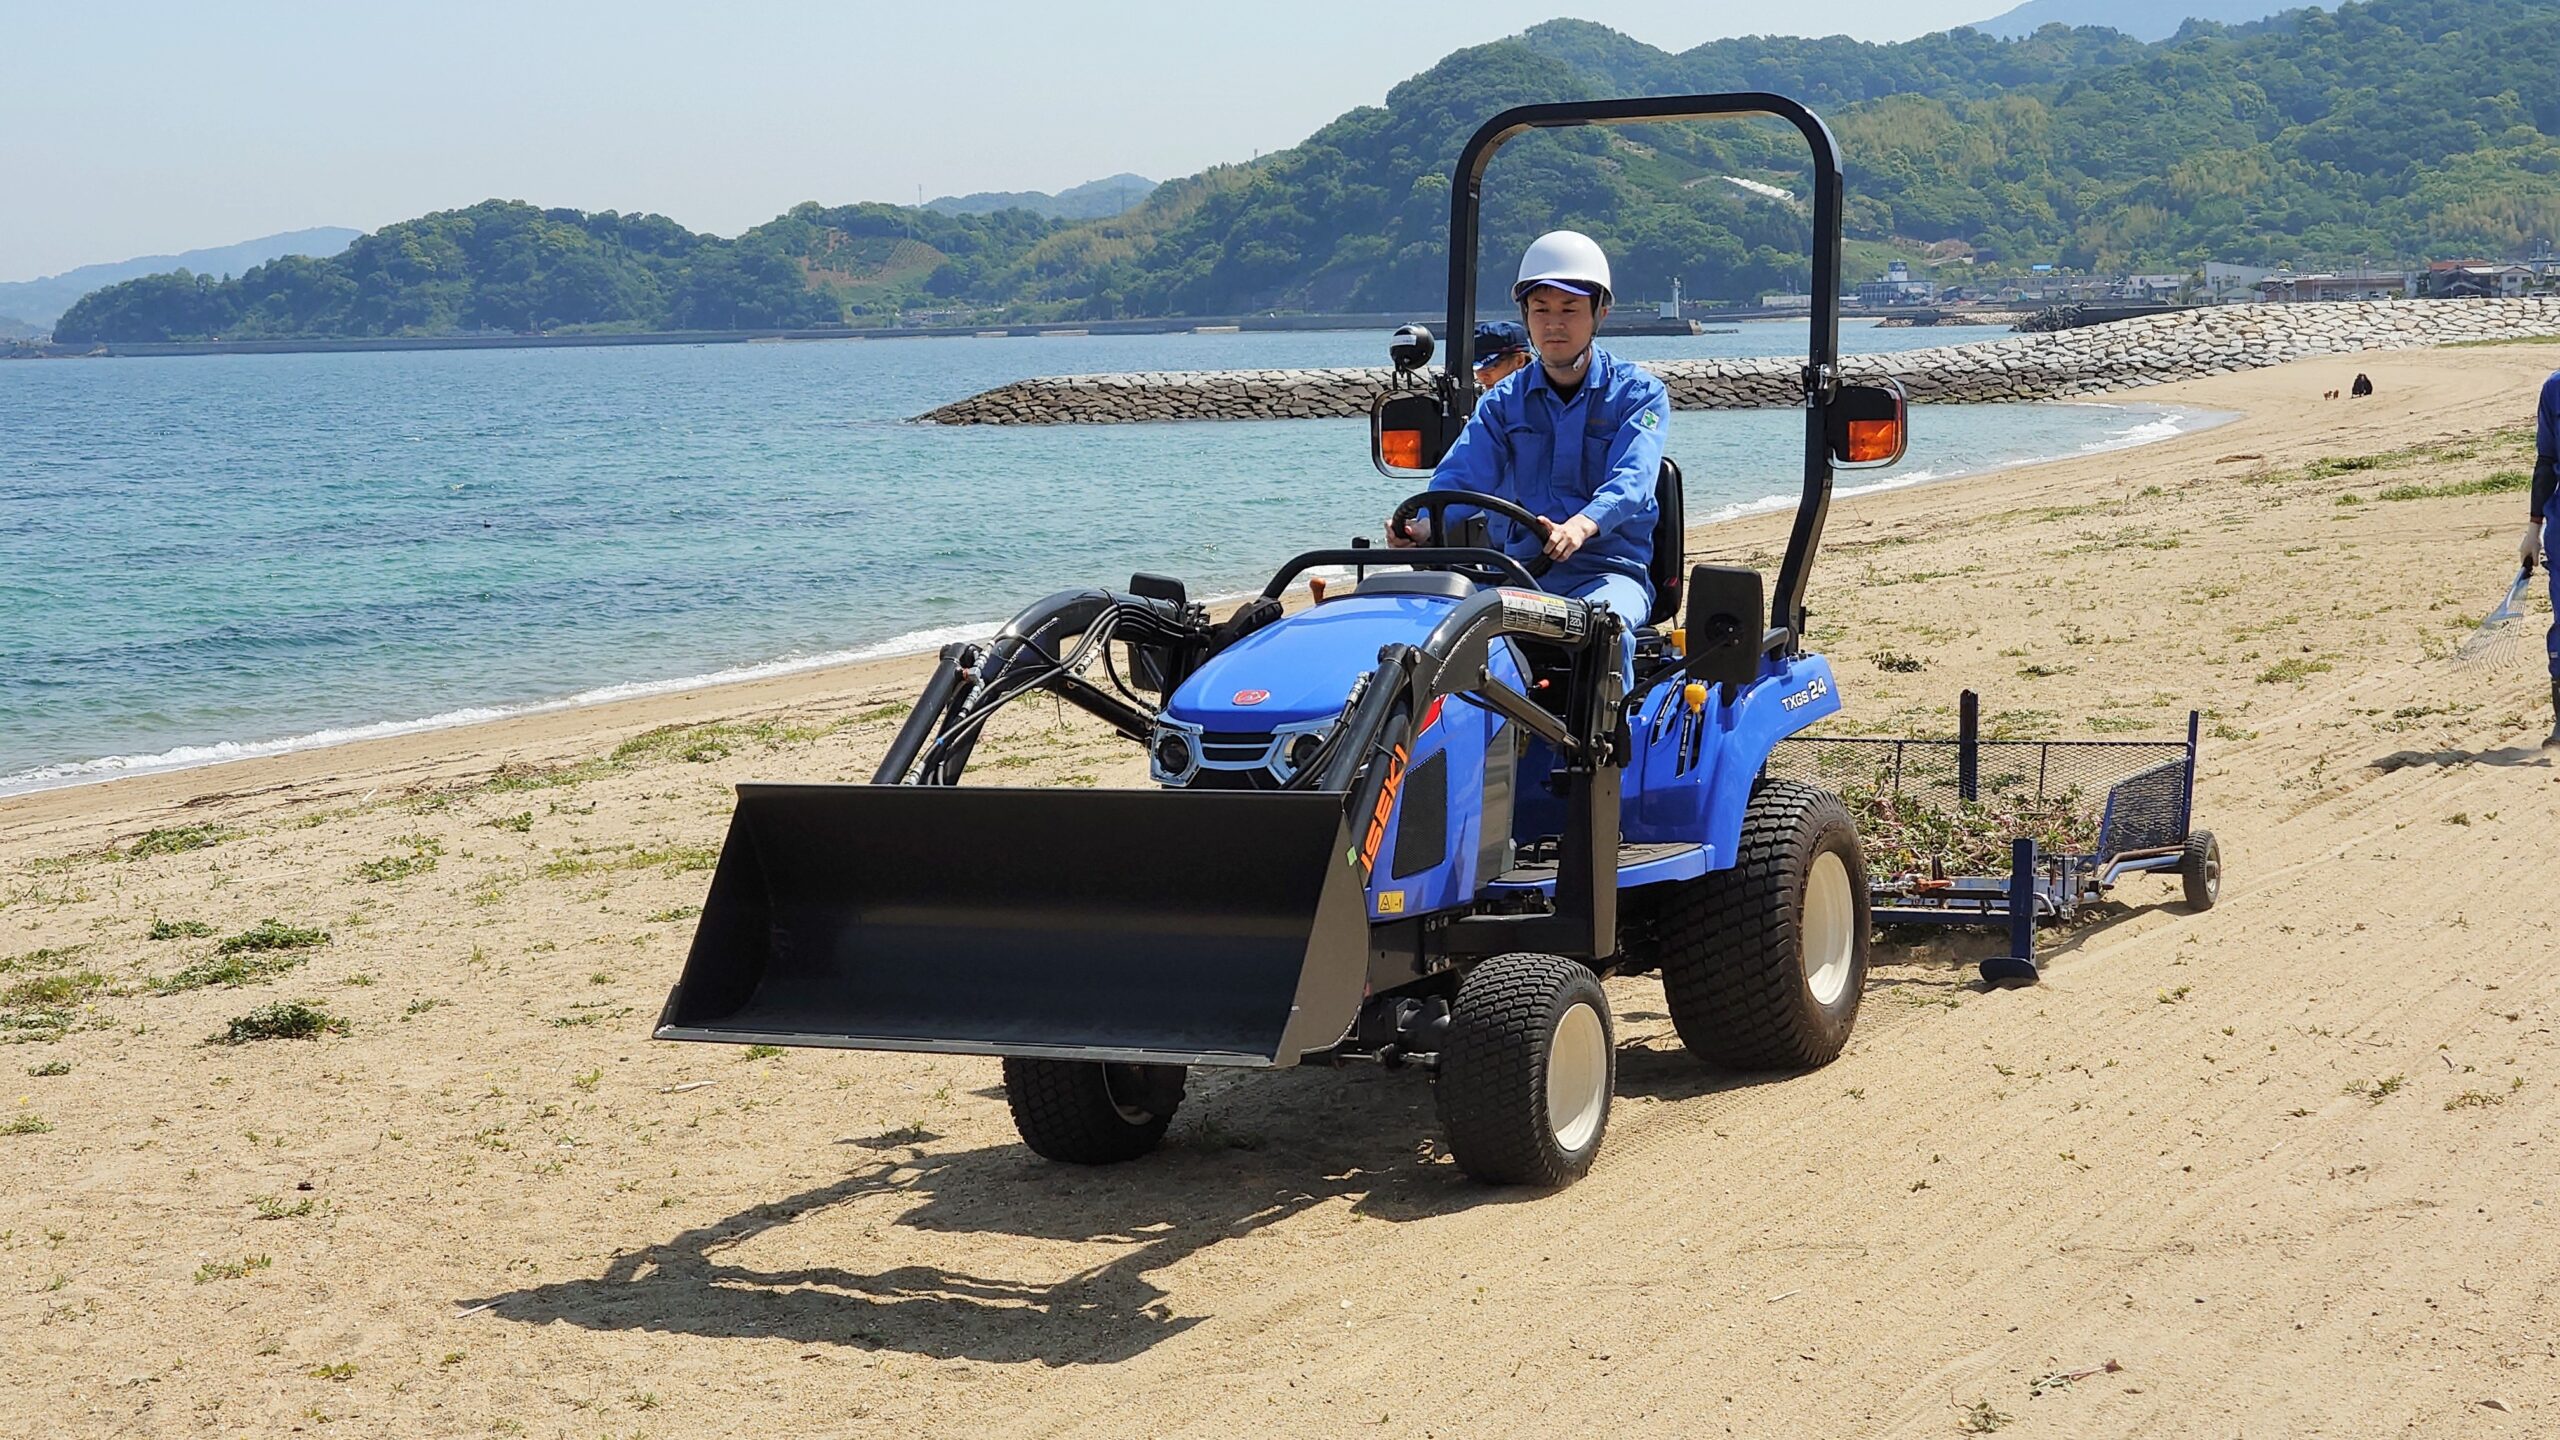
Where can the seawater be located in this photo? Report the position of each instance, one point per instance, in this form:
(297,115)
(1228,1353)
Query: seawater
(211,557)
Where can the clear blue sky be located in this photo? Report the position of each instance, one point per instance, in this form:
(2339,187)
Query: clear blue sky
(143,128)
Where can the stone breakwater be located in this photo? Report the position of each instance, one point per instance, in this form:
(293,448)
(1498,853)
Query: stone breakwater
(2152,350)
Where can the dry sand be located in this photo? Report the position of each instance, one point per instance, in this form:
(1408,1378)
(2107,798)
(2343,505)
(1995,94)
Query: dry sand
(2289,1164)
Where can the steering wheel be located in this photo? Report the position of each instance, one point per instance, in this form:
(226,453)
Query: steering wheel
(1437,502)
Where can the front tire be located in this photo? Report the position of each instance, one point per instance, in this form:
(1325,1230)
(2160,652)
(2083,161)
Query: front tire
(1527,1071)
(1763,964)
(1087,1112)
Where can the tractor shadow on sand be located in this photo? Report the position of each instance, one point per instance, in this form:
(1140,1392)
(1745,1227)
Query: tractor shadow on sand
(935,1252)
(990,1253)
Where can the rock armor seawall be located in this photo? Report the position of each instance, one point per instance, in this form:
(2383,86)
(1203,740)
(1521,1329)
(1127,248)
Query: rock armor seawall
(2152,350)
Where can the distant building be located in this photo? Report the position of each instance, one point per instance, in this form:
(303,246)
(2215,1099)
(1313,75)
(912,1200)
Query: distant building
(2351,285)
(2152,287)
(2472,279)
(1786,302)
(2226,283)
(1896,288)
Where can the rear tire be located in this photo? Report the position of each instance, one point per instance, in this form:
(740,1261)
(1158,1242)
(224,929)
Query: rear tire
(1763,964)
(1527,1070)
(2201,870)
(1086,1112)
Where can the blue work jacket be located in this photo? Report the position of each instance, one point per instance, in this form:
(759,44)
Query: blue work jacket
(1597,454)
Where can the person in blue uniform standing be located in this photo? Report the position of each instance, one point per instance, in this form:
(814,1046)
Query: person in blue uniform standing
(1575,438)
(1502,348)
(2542,534)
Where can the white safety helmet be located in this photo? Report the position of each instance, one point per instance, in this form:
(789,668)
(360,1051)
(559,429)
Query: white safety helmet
(1568,260)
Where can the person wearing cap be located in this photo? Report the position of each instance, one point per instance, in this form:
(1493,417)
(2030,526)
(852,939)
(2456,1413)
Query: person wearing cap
(1502,350)
(1575,439)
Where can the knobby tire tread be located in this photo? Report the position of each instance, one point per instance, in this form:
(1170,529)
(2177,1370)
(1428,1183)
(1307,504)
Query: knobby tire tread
(1724,935)
(1063,1110)
(1491,1092)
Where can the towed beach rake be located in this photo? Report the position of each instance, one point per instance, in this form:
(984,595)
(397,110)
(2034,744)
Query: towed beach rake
(2067,818)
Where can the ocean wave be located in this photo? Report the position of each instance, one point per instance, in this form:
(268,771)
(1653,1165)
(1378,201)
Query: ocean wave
(188,757)
(2162,425)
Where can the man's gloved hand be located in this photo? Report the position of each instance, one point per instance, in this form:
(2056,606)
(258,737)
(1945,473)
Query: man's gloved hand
(1567,536)
(2529,549)
(1413,532)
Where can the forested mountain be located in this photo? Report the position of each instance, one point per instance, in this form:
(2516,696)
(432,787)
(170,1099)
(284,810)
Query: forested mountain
(1091,200)
(36,302)
(2141,19)
(2394,128)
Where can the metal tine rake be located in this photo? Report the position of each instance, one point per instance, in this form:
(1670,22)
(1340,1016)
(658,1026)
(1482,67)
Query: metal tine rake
(2499,642)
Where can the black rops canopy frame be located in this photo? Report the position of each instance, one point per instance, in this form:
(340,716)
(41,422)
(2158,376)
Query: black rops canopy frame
(1821,373)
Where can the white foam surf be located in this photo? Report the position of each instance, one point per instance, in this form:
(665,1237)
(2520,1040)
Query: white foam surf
(188,757)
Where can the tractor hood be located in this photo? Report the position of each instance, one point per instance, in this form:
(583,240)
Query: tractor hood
(1301,667)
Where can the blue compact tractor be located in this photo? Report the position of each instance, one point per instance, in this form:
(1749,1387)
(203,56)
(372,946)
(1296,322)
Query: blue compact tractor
(1415,824)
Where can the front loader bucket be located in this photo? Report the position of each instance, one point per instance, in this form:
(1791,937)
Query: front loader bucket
(1174,926)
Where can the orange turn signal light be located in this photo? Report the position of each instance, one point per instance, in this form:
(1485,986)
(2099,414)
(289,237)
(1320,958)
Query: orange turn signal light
(1401,448)
(1874,440)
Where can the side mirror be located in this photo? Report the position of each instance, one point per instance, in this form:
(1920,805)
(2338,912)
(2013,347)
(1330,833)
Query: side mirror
(1407,434)
(1870,425)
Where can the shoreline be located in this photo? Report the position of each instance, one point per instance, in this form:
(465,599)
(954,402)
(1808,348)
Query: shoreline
(57,776)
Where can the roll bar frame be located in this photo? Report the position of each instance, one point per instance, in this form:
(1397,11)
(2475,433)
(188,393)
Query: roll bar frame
(1456,385)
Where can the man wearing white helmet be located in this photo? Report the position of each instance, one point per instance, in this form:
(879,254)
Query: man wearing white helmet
(1575,439)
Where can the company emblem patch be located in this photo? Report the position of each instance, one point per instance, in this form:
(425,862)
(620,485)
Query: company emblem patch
(1251,697)
(1649,420)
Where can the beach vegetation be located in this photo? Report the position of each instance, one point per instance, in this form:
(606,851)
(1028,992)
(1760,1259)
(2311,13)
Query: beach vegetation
(45,1068)
(177,840)
(51,957)
(281,1020)
(520,822)
(251,968)
(270,934)
(675,859)
(2503,482)
(2291,671)
(213,1270)
(421,858)
(64,987)
(178,930)
(24,1124)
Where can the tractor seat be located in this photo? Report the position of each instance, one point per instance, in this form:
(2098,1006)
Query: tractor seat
(1670,568)
(1447,584)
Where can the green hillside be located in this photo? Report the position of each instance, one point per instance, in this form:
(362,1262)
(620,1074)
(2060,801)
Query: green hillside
(2393,128)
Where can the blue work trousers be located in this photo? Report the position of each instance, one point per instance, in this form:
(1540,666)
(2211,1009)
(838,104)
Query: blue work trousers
(1626,595)
(2551,551)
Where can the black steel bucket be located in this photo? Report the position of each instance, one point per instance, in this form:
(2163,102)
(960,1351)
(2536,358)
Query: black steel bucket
(1172,926)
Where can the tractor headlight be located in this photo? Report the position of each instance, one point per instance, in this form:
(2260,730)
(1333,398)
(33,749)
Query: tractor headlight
(1172,755)
(1304,749)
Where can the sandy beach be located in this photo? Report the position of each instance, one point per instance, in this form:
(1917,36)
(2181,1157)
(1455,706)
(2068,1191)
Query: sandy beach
(2284,1168)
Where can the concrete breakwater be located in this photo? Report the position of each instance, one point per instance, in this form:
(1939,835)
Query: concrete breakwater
(2152,350)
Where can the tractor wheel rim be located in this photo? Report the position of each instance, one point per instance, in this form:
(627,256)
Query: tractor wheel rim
(1577,1077)
(1828,938)
(2213,872)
